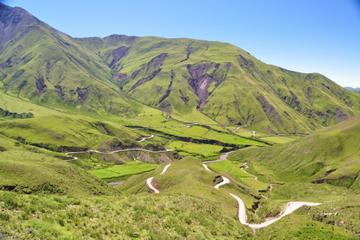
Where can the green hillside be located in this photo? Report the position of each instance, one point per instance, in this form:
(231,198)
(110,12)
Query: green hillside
(125,137)
(197,79)
(331,155)
(222,81)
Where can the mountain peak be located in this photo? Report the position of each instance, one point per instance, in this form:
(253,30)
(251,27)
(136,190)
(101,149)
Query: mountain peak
(12,20)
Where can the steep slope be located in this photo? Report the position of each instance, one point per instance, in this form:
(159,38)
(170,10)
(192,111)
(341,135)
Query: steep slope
(47,66)
(32,170)
(183,77)
(222,81)
(331,155)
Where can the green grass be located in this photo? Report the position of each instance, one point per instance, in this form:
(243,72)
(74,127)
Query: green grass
(32,170)
(78,78)
(188,148)
(234,170)
(126,217)
(42,196)
(279,139)
(331,154)
(123,170)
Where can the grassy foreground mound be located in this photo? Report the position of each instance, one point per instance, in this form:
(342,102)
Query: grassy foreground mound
(188,207)
(143,217)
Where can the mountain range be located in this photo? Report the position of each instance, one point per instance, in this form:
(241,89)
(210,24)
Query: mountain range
(121,74)
(126,137)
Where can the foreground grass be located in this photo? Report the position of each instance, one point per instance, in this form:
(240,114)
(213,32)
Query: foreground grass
(143,217)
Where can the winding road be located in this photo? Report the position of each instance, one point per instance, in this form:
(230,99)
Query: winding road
(149,181)
(290,207)
(146,138)
(224,181)
(116,151)
(150,185)
(119,150)
(222,157)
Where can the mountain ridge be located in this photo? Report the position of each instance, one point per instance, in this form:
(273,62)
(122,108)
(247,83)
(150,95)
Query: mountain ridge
(176,75)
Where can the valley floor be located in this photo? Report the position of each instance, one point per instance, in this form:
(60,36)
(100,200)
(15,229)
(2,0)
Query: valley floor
(71,175)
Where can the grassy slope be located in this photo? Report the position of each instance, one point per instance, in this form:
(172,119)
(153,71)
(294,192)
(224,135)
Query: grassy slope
(121,171)
(331,153)
(199,211)
(41,139)
(189,206)
(303,101)
(55,217)
(28,169)
(49,67)
(52,68)
(299,171)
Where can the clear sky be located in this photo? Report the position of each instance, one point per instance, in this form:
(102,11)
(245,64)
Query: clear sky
(303,35)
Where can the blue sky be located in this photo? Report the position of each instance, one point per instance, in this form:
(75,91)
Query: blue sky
(303,35)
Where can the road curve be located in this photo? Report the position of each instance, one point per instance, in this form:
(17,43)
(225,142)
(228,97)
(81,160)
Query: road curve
(222,157)
(150,180)
(290,208)
(149,184)
(206,167)
(224,181)
(146,138)
(165,169)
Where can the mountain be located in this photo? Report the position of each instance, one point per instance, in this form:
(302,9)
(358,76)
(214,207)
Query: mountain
(115,73)
(46,66)
(112,138)
(353,89)
(222,81)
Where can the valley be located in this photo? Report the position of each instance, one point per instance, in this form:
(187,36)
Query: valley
(126,137)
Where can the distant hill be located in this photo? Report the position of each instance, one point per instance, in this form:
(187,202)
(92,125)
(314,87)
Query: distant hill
(353,89)
(121,74)
(331,155)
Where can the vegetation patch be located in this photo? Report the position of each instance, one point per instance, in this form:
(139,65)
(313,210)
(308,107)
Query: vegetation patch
(123,170)
(7,114)
(201,150)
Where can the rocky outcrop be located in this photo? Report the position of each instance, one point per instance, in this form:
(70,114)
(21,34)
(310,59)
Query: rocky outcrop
(145,79)
(40,84)
(245,63)
(12,21)
(269,109)
(119,76)
(184,97)
(188,51)
(82,93)
(340,115)
(117,55)
(309,95)
(292,100)
(150,70)
(169,88)
(200,81)
(326,117)
(204,74)
(60,92)
(156,62)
